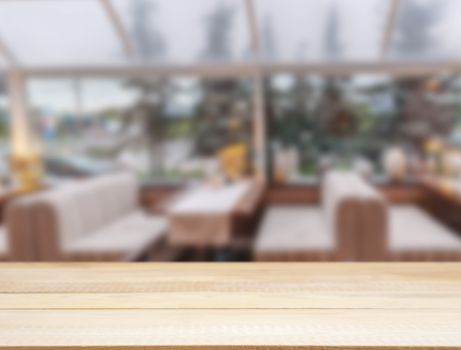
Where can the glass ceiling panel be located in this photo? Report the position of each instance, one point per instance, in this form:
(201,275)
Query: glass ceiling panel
(59,32)
(3,64)
(79,32)
(427,30)
(313,30)
(187,31)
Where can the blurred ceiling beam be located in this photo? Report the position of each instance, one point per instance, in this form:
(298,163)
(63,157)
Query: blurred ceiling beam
(391,68)
(251,69)
(166,70)
(255,42)
(119,28)
(389,28)
(10,58)
(259,115)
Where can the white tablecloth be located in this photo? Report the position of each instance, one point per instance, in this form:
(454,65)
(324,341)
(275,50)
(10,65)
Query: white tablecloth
(207,199)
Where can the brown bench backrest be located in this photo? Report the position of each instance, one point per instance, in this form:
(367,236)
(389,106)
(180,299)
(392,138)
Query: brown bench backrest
(42,225)
(374,223)
(341,208)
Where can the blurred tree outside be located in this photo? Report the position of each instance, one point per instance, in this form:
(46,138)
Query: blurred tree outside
(332,48)
(268,39)
(416,29)
(154,91)
(4,112)
(223,116)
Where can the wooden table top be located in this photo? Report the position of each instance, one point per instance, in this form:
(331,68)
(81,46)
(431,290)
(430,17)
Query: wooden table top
(309,305)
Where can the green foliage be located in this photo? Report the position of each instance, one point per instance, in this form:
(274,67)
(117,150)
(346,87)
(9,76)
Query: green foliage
(300,120)
(4,124)
(179,128)
(102,153)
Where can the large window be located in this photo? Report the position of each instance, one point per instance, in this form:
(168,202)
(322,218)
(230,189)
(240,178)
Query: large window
(346,122)
(163,129)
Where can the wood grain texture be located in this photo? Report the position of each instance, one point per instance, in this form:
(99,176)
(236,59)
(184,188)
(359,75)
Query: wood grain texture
(313,306)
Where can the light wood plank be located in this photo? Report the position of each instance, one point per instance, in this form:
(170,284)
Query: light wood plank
(231,286)
(313,306)
(130,329)
(223,300)
(107,277)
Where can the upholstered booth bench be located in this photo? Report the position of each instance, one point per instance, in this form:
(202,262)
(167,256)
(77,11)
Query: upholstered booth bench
(92,220)
(354,222)
(402,233)
(303,233)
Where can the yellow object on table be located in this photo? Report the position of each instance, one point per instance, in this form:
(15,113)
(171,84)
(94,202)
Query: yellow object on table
(433,146)
(28,170)
(233,160)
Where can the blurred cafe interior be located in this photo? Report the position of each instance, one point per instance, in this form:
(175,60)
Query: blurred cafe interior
(230,130)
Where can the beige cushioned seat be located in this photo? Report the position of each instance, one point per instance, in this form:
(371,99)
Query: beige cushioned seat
(132,234)
(402,233)
(95,219)
(313,233)
(294,234)
(414,235)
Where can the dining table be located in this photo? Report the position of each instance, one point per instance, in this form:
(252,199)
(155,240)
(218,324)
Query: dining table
(207,216)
